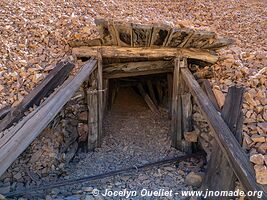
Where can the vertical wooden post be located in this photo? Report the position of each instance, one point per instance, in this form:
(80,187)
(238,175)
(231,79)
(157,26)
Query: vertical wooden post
(151,92)
(92,103)
(105,98)
(170,84)
(100,99)
(220,175)
(177,124)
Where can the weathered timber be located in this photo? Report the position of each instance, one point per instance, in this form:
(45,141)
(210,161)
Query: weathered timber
(177,114)
(22,134)
(147,99)
(199,39)
(170,84)
(107,32)
(210,94)
(100,99)
(128,52)
(219,43)
(123,34)
(235,155)
(151,91)
(4,111)
(92,98)
(159,35)
(159,92)
(105,94)
(220,176)
(56,77)
(178,37)
(141,35)
(128,69)
(186,120)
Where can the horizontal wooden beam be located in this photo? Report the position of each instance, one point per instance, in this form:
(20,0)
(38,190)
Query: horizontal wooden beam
(128,69)
(126,52)
(18,138)
(234,153)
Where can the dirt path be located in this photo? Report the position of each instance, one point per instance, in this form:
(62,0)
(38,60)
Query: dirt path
(133,136)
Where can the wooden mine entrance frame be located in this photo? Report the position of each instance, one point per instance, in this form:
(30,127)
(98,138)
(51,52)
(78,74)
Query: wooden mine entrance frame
(119,40)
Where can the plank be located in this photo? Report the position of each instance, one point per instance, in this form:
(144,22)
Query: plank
(219,43)
(160,34)
(141,35)
(151,91)
(177,114)
(56,77)
(219,171)
(170,84)
(123,34)
(107,32)
(129,69)
(33,124)
(148,100)
(210,94)
(235,155)
(186,121)
(199,38)
(144,52)
(92,97)
(4,111)
(178,37)
(100,100)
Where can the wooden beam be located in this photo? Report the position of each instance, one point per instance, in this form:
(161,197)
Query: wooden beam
(220,175)
(129,69)
(4,111)
(23,133)
(147,99)
(92,98)
(151,91)
(177,104)
(235,155)
(170,84)
(100,99)
(55,78)
(130,52)
(210,94)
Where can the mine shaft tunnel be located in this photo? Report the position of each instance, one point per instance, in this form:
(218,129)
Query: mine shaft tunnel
(127,81)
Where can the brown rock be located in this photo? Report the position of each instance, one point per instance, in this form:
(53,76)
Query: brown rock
(193,179)
(83,116)
(257,159)
(265,159)
(263,126)
(83,132)
(218,95)
(263,146)
(258,138)
(261,174)
(191,136)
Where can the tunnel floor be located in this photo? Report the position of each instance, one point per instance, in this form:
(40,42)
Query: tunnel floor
(134,136)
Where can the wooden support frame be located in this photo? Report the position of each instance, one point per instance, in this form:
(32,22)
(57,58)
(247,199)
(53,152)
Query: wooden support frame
(130,52)
(129,69)
(148,100)
(100,99)
(17,139)
(220,175)
(177,104)
(235,155)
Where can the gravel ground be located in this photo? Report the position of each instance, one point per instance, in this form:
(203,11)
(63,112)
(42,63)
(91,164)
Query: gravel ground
(134,136)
